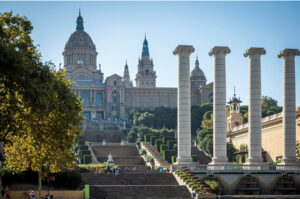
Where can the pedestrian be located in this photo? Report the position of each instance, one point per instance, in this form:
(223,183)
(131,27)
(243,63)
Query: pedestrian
(32,195)
(48,196)
(2,192)
(161,170)
(7,192)
(117,170)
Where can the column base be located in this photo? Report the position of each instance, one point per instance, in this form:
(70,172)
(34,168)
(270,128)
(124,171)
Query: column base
(220,164)
(184,161)
(255,164)
(288,165)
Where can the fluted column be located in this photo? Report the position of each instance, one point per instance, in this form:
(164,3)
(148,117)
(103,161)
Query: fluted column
(289,106)
(184,104)
(254,112)
(219,105)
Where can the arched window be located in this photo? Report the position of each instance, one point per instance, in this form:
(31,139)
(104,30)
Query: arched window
(147,72)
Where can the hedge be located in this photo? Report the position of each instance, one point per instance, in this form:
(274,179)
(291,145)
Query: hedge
(152,140)
(83,148)
(158,142)
(171,144)
(162,148)
(87,159)
(166,138)
(83,153)
(173,159)
(80,142)
(167,155)
(147,137)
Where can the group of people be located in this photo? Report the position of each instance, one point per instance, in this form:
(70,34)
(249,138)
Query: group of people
(5,192)
(112,170)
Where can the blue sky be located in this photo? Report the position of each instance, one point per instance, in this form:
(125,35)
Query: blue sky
(118,28)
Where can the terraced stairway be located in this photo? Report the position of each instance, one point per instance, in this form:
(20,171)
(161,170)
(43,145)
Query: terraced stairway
(201,156)
(248,186)
(285,185)
(145,185)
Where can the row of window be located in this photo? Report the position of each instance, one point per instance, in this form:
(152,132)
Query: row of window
(87,115)
(80,58)
(86,98)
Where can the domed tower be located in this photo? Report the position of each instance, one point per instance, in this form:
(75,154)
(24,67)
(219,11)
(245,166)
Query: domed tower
(198,78)
(80,51)
(126,77)
(146,76)
(235,117)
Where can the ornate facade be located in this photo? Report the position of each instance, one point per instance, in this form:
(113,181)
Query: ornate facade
(113,97)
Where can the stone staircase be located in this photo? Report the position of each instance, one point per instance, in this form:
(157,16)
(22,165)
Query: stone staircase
(147,185)
(157,157)
(285,185)
(202,157)
(248,186)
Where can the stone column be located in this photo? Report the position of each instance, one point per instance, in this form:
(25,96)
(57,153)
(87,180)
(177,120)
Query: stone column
(219,105)
(184,104)
(289,106)
(254,112)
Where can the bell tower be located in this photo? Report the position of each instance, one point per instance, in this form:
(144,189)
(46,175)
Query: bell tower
(235,117)
(146,76)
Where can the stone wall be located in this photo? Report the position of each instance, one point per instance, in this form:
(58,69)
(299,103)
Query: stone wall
(267,181)
(272,135)
(61,194)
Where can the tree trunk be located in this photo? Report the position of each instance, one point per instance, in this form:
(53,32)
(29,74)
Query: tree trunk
(40,183)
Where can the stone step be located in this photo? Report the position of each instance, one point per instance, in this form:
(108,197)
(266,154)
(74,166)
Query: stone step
(129,179)
(138,192)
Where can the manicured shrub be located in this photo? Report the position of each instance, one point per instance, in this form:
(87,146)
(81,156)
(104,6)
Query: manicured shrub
(157,144)
(166,138)
(195,158)
(152,140)
(162,148)
(87,159)
(173,159)
(80,142)
(167,155)
(171,143)
(83,153)
(83,148)
(142,151)
(214,185)
(147,137)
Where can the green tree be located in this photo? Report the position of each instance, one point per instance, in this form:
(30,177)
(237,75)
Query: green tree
(267,102)
(40,113)
(230,152)
(146,119)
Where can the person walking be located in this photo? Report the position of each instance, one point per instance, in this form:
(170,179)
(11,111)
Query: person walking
(7,192)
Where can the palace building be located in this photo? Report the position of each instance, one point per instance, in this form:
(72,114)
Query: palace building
(112,98)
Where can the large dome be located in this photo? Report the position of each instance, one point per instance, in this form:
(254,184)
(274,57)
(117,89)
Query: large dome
(80,40)
(197,72)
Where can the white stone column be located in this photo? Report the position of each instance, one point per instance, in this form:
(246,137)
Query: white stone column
(254,112)
(219,105)
(289,106)
(184,105)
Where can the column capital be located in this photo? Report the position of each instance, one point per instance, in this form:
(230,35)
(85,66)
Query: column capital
(219,50)
(288,52)
(184,49)
(254,51)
